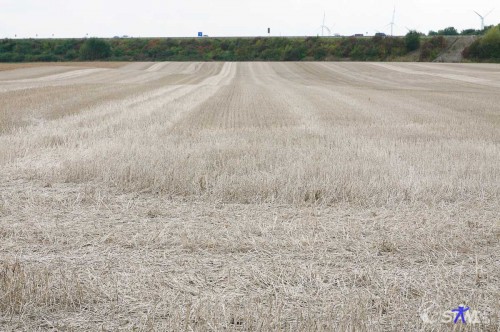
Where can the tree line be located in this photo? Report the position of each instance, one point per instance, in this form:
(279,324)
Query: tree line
(451,31)
(208,49)
(378,48)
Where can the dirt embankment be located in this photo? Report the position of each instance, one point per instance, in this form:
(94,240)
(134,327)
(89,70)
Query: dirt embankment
(456,45)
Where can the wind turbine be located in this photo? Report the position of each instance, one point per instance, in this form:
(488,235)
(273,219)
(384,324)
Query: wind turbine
(482,18)
(393,20)
(410,30)
(324,27)
(392,24)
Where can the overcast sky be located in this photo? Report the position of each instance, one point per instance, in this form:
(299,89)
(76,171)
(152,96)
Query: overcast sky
(168,18)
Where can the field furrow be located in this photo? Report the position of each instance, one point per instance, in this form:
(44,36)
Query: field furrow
(254,196)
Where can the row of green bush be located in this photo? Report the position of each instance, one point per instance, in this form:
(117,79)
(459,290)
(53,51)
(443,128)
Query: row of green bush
(218,49)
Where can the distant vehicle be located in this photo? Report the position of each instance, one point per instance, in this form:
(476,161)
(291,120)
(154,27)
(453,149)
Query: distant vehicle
(380,34)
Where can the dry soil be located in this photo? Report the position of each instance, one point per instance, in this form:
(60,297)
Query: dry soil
(249,196)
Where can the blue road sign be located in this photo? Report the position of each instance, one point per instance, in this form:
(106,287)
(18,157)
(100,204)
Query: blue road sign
(200,34)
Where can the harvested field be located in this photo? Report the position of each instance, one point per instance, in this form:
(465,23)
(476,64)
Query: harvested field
(249,196)
(12,66)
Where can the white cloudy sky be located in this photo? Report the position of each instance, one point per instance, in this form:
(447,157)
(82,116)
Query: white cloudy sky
(168,18)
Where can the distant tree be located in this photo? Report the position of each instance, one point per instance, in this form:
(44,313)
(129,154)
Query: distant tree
(486,48)
(450,31)
(319,53)
(432,33)
(412,40)
(470,32)
(95,49)
(432,47)
(71,55)
(293,53)
(492,36)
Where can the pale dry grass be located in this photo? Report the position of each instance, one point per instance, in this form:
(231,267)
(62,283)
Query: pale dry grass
(262,196)
(12,66)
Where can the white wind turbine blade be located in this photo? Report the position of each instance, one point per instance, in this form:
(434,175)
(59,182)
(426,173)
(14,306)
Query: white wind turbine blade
(327,29)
